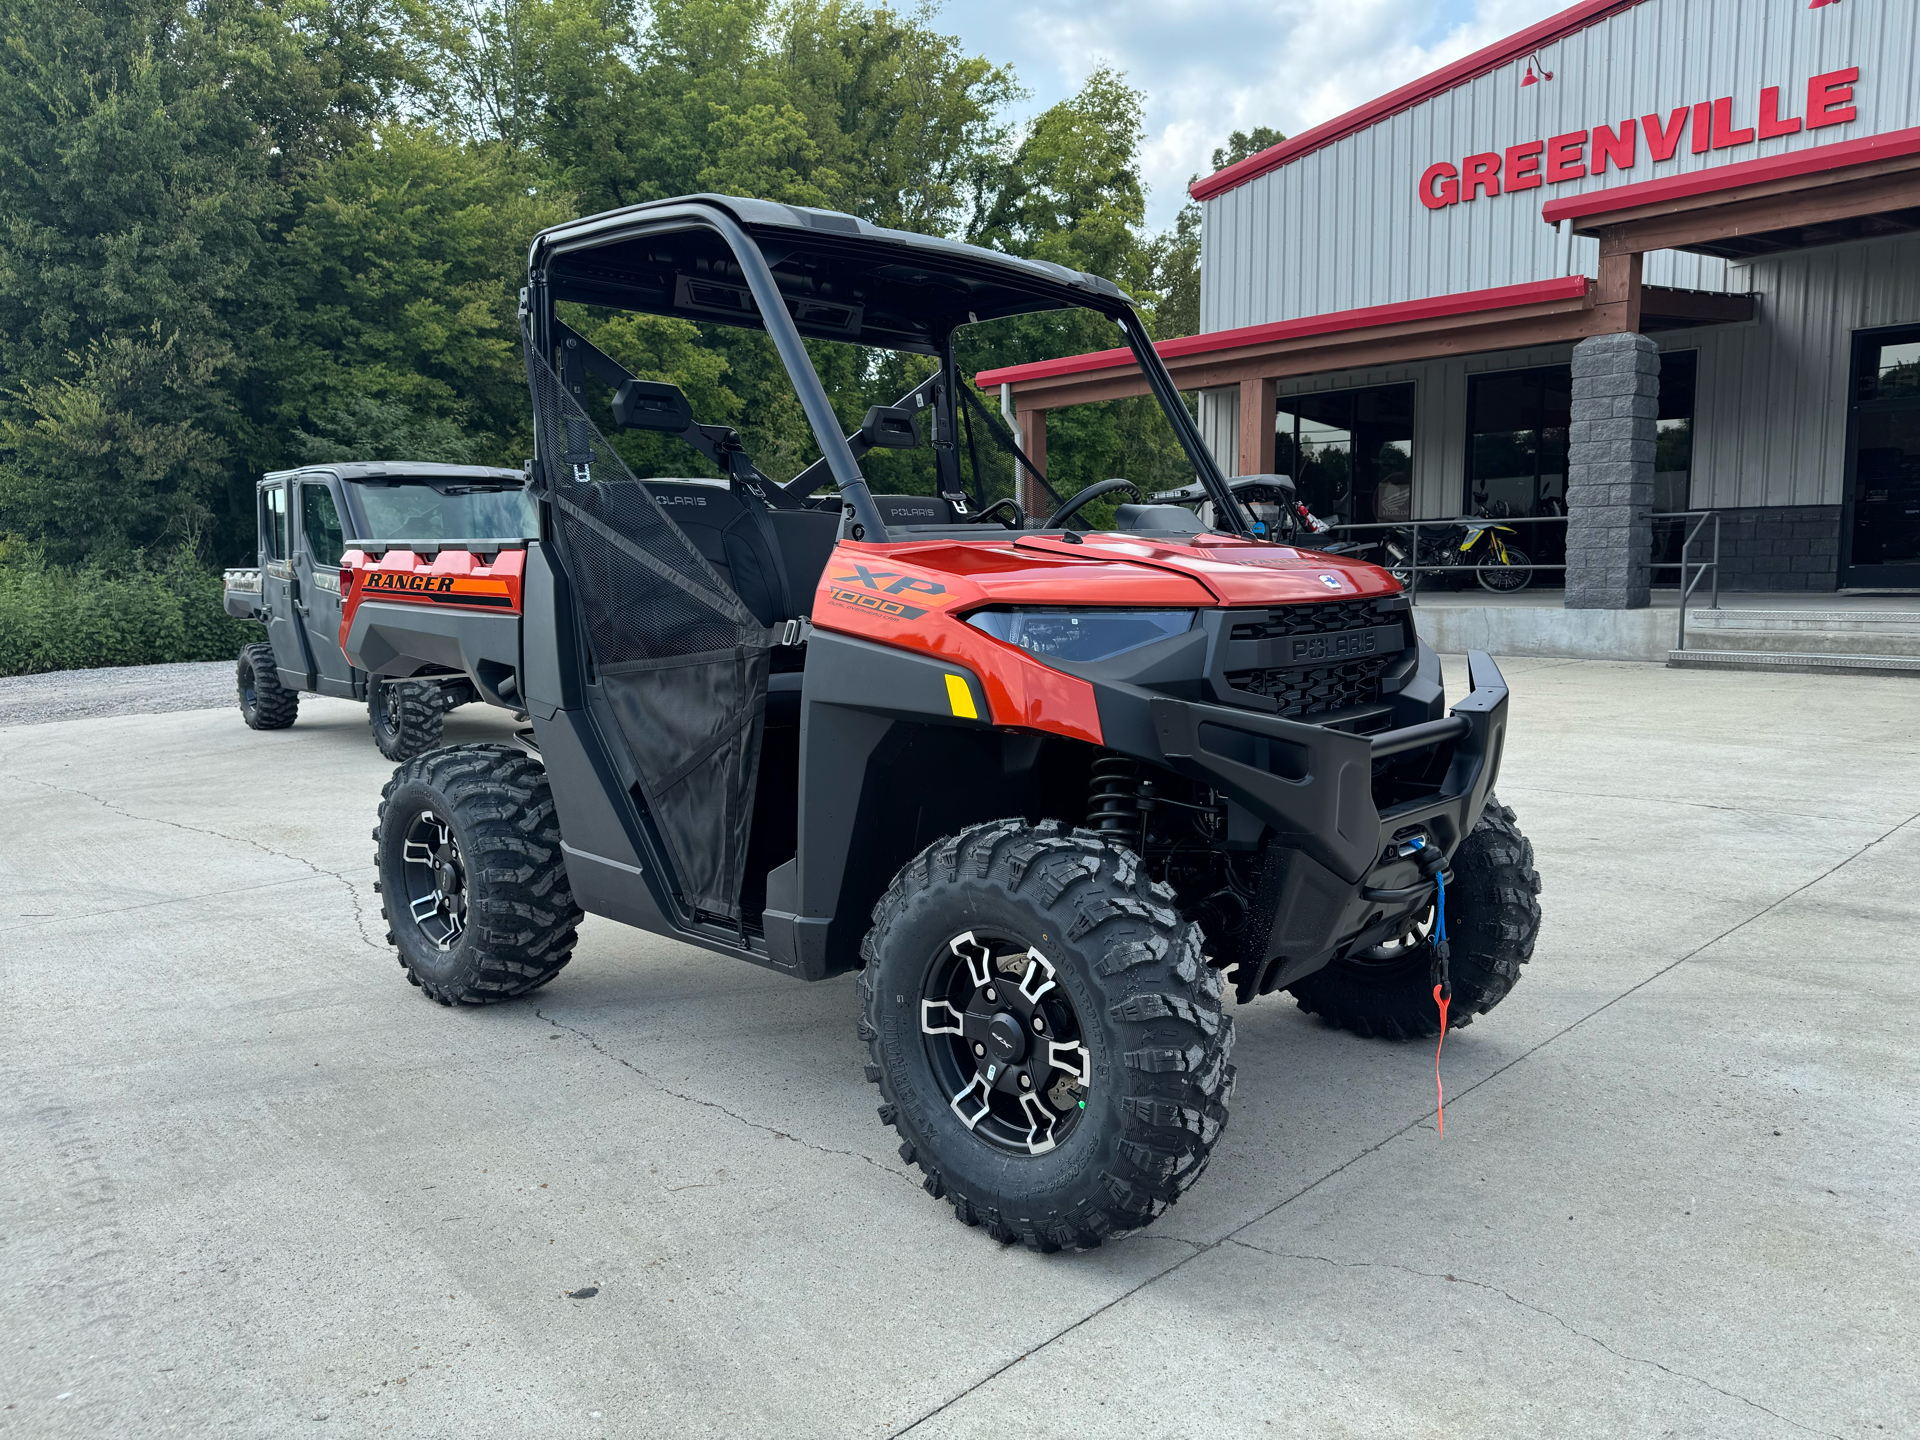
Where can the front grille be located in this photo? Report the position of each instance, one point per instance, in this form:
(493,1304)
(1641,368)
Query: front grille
(1317,619)
(1301,691)
(1314,690)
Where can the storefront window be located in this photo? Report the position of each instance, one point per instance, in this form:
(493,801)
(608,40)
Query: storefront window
(1673,460)
(1517,450)
(1351,452)
(1517,442)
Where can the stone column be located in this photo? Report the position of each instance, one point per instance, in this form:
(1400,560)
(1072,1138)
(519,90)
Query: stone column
(1610,471)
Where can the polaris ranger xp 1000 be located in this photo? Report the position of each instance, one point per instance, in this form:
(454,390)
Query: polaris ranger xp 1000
(305,520)
(1044,785)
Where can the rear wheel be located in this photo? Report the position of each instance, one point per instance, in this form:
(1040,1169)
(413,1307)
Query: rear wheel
(472,883)
(265,704)
(1492,919)
(1048,1042)
(406,716)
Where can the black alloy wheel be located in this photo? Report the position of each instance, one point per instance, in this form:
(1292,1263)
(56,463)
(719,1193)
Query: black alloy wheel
(472,882)
(1046,1034)
(265,704)
(407,716)
(436,880)
(1005,1042)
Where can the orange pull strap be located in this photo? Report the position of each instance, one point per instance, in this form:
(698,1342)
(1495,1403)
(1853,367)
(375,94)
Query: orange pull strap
(1440,1099)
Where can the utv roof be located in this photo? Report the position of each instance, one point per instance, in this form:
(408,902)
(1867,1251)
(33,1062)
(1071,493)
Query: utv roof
(843,278)
(403,470)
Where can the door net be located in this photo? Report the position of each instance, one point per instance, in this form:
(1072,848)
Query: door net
(680,662)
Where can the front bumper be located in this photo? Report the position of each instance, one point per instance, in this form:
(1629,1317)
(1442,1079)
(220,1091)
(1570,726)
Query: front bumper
(1314,786)
(1333,877)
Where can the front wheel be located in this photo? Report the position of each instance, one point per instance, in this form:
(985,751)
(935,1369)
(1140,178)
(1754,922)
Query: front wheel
(1506,575)
(1492,920)
(472,885)
(1048,1041)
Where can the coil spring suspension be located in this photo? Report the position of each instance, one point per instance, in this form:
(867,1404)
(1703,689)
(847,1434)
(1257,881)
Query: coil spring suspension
(1114,800)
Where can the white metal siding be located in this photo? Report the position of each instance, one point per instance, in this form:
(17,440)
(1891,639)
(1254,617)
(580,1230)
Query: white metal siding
(1342,228)
(1771,407)
(1770,415)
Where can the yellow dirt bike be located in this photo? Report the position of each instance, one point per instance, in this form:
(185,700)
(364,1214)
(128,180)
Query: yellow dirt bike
(1500,567)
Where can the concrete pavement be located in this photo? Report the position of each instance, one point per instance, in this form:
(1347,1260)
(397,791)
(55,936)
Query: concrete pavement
(255,1185)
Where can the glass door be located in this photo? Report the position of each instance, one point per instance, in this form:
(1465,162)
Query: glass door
(1880,524)
(1517,426)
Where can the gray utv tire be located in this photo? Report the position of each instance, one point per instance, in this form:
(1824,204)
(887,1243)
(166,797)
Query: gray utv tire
(1492,920)
(1140,1101)
(265,704)
(472,884)
(406,716)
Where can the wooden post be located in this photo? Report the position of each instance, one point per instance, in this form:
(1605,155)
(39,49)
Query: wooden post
(1033,499)
(1257,428)
(1618,295)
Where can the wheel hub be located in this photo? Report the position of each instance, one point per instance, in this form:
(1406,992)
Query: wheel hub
(1006,1040)
(436,879)
(1005,1043)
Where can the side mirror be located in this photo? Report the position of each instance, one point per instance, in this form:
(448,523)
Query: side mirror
(890,427)
(652,405)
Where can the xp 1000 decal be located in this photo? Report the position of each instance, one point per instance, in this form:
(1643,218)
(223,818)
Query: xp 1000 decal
(882,592)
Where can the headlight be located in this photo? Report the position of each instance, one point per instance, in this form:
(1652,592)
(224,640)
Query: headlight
(1083,635)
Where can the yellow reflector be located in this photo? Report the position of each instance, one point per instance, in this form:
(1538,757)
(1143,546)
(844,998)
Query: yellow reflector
(960,699)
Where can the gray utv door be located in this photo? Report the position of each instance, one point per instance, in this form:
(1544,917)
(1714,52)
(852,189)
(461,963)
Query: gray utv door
(317,549)
(280,588)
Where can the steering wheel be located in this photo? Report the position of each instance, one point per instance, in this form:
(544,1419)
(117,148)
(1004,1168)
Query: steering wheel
(1017,518)
(1058,520)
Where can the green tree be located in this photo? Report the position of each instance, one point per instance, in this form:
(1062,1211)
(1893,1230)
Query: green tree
(405,264)
(148,154)
(125,454)
(1243,143)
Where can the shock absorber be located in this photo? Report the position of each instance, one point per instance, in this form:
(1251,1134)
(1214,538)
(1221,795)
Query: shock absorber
(1114,799)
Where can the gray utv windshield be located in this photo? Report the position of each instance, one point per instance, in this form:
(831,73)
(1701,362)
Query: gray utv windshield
(421,512)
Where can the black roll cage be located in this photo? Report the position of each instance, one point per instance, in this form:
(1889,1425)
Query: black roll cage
(572,357)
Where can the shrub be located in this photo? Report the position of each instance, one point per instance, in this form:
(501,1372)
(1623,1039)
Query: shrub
(113,613)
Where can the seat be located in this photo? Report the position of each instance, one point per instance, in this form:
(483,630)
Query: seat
(912,511)
(752,551)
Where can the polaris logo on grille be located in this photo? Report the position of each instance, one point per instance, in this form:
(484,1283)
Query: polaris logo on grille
(1339,645)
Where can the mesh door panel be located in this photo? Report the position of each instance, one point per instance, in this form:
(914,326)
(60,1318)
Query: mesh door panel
(680,662)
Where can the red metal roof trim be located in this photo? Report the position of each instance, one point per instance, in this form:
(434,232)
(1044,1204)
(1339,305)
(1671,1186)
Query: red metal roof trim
(1471,67)
(1812,161)
(1500,297)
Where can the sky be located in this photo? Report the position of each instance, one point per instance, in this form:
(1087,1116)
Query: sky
(1210,67)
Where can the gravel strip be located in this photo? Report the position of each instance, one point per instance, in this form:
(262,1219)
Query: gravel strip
(62,695)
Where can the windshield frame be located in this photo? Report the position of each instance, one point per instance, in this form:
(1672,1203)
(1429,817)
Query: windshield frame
(1051,287)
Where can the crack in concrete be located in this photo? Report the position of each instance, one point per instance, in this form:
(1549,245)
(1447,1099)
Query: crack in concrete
(353,893)
(1417,1123)
(163,901)
(1558,1320)
(664,1088)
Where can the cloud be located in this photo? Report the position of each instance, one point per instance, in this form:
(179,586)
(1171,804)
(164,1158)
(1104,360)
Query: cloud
(1210,67)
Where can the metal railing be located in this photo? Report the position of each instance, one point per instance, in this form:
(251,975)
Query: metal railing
(1415,569)
(1713,563)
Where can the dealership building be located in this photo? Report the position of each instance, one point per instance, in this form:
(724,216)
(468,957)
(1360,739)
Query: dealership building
(1647,257)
